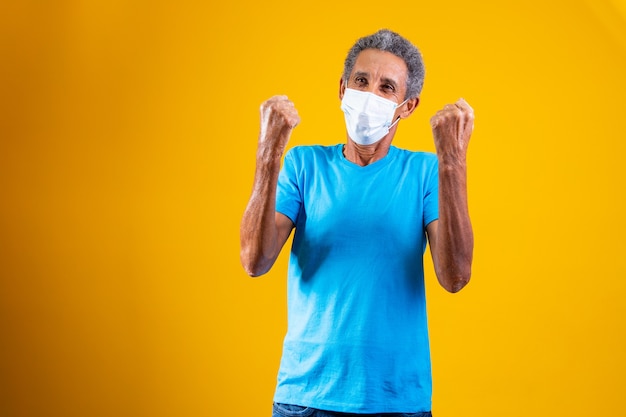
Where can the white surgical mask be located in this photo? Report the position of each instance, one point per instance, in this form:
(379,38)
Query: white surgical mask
(368,116)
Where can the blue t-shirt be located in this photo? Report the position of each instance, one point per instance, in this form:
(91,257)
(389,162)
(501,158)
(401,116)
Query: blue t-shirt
(357,337)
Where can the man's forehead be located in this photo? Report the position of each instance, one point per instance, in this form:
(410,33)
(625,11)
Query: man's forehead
(380,63)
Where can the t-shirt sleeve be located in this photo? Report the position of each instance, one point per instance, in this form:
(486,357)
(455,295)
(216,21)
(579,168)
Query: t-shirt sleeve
(431,193)
(288,194)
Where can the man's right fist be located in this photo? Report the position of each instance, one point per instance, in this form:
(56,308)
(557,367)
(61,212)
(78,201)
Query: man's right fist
(278,118)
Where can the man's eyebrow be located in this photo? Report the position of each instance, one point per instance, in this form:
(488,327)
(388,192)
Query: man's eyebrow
(390,81)
(385,80)
(361,74)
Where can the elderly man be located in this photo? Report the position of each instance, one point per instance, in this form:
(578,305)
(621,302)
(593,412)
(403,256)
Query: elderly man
(363,211)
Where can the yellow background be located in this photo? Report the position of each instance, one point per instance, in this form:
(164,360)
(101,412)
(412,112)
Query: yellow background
(127,142)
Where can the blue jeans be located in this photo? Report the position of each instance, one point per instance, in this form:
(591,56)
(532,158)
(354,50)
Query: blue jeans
(288,410)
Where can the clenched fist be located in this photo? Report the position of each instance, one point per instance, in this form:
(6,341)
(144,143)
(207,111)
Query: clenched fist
(278,118)
(452,127)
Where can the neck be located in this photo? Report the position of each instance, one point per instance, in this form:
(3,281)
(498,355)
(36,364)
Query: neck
(363,155)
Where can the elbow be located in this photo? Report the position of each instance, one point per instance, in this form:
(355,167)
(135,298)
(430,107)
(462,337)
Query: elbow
(455,282)
(253,265)
(454,273)
(252,271)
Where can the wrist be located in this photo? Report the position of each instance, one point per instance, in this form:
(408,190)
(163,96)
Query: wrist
(450,161)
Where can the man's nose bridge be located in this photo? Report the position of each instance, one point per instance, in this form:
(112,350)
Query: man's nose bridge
(367,100)
(373,87)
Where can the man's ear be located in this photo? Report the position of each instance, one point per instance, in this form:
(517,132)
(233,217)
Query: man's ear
(409,107)
(342,88)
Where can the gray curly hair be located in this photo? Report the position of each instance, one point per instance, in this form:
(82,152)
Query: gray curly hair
(388,41)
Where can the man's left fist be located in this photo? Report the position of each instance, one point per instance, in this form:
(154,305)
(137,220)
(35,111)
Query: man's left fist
(452,127)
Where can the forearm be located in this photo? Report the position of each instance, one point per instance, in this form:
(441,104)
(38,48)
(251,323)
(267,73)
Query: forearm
(260,236)
(258,231)
(455,238)
(451,237)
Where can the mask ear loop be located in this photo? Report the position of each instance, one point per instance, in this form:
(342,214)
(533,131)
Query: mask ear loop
(398,119)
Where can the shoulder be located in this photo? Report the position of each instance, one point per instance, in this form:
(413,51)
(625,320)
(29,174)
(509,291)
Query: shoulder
(418,158)
(406,153)
(311,154)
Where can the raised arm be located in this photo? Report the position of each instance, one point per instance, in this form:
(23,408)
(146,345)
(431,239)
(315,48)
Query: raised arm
(263,231)
(451,237)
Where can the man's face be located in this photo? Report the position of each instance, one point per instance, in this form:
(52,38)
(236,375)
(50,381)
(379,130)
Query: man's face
(381,73)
